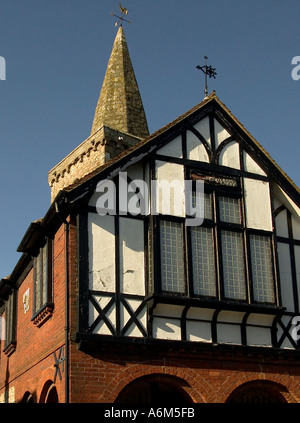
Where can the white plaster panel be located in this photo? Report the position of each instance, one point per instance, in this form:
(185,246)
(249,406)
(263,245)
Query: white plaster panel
(230,316)
(198,331)
(258,204)
(133,330)
(258,336)
(132,274)
(200,313)
(229,334)
(172,149)
(285,274)
(93,199)
(101,252)
(296,227)
(124,314)
(220,133)
(147,180)
(286,343)
(203,128)
(93,313)
(136,171)
(287,201)
(230,156)
(297,260)
(195,148)
(170,190)
(252,166)
(281,224)
(260,319)
(168,310)
(102,328)
(277,203)
(166,329)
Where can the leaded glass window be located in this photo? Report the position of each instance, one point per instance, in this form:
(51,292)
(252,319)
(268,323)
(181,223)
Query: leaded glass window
(211,260)
(10,320)
(203,261)
(229,209)
(233,265)
(172,257)
(262,269)
(197,204)
(43,276)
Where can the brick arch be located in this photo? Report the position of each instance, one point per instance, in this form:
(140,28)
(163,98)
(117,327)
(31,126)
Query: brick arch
(44,379)
(174,387)
(192,383)
(47,388)
(259,390)
(285,385)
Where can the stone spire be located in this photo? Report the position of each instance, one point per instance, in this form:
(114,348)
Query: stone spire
(119,122)
(120,105)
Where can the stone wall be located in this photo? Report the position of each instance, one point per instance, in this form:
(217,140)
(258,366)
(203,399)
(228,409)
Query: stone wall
(89,156)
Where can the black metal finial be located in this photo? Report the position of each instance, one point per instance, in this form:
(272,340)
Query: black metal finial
(124,12)
(208,71)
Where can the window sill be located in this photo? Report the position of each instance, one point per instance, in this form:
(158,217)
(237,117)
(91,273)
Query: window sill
(10,349)
(171,298)
(43,315)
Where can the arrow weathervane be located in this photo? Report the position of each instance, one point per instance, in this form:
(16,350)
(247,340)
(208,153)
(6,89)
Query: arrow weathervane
(208,71)
(121,18)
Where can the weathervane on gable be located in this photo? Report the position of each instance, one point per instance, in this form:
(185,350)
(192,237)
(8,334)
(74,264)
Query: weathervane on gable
(124,12)
(208,71)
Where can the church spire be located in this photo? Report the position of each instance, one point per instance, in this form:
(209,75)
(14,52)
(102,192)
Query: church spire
(119,122)
(120,105)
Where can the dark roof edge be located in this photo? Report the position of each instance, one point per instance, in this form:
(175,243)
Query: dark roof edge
(35,231)
(124,158)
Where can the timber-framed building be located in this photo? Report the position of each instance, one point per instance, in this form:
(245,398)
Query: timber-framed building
(141,307)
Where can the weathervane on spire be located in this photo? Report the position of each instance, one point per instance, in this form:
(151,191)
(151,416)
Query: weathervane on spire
(208,71)
(124,12)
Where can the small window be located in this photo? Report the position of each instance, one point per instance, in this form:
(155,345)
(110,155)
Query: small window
(172,257)
(197,204)
(10,325)
(203,261)
(229,209)
(262,269)
(43,278)
(233,265)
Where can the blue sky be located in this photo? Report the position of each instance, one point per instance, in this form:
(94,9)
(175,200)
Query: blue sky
(56,52)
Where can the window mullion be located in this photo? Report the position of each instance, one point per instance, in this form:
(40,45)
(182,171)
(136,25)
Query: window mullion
(249,286)
(246,247)
(234,278)
(189,262)
(262,268)
(275,271)
(217,249)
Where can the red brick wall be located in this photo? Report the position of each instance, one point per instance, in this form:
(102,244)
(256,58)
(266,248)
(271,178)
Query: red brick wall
(101,376)
(32,364)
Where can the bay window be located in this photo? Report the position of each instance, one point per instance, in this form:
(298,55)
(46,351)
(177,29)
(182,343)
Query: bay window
(219,260)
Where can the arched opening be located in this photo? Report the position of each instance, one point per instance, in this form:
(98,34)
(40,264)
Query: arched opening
(155,389)
(49,393)
(52,396)
(258,392)
(27,398)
